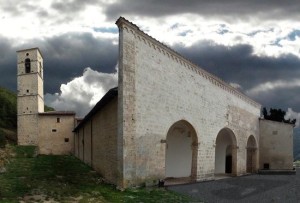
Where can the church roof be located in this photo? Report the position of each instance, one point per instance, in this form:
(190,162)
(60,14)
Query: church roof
(58,113)
(112,93)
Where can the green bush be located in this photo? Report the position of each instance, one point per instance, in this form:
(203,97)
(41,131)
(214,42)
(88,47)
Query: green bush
(2,139)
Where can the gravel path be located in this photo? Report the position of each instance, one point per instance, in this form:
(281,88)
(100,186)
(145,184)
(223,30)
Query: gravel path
(252,188)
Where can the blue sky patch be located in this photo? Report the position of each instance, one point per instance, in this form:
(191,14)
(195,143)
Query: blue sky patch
(292,35)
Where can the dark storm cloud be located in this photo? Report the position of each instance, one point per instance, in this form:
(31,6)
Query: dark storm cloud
(280,98)
(238,64)
(65,57)
(270,9)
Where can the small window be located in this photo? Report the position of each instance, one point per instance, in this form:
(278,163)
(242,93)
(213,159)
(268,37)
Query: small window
(27,91)
(66,139)
(27,65)
(54,130)
(58,120)
(27,54)
(266,166)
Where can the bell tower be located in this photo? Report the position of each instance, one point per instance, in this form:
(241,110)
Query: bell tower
(30,94)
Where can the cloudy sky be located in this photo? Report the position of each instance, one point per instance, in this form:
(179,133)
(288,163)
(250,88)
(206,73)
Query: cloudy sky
(253,45)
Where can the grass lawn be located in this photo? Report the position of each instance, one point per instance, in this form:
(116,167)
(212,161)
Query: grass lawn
(31,178)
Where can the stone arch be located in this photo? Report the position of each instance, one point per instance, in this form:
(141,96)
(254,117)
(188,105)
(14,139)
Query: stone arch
(181,151)
(226,152)
(251,161)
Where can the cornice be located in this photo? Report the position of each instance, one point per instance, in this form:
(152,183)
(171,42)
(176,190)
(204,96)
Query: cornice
(124,24)
(31,49)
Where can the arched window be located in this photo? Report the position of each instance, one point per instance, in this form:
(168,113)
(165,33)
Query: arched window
(27,65)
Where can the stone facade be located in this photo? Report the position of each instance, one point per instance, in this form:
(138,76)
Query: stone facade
(276,142)
(157,88)
(52,131)
(55,133)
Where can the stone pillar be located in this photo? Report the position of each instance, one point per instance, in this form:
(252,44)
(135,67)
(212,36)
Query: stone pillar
(251,162)
(194,161)
(234,150)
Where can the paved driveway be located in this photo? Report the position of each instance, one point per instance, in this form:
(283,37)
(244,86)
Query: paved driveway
(252,188)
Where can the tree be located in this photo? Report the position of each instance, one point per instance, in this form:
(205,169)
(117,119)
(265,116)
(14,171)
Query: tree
(48,108)
(276,115)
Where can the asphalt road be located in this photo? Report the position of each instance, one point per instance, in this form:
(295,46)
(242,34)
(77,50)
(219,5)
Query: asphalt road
(252,188)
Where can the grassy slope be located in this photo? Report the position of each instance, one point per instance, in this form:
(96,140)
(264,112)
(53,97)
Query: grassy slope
(66,179)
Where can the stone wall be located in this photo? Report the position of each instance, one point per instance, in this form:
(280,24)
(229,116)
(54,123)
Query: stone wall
(81,144)
(88,142)
(28,129)
(99,137)
(76,144)
(158,87)
(276,145)
(55,134)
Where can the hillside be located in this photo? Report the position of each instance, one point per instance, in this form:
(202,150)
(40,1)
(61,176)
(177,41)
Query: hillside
(8,109)
(8,115)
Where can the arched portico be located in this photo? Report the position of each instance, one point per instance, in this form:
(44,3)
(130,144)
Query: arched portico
(226,152)
(181,151)
(251,155)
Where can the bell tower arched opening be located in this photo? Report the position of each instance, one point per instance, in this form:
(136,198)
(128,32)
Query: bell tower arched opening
(27,65)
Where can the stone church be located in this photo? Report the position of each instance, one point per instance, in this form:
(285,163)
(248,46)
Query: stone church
(50,131)
(167,119)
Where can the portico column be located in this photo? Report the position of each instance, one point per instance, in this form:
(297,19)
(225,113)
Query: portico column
(234,150)
(254,159)
(194,161)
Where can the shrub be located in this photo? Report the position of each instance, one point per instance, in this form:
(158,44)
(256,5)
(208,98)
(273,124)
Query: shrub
(2,139)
